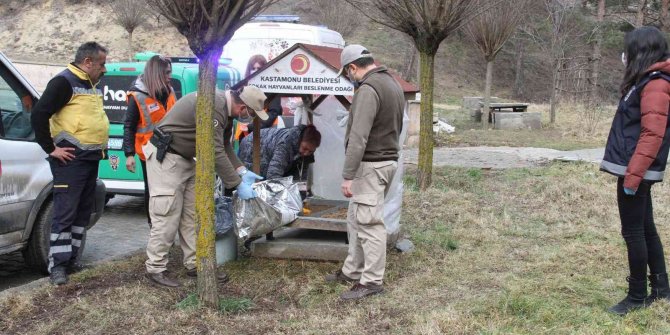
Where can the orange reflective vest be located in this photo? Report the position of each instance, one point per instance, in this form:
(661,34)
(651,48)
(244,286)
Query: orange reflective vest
(242,129)
(151,111)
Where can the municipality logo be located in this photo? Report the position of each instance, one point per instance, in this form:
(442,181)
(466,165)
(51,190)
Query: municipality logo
(300,64)
(114,162)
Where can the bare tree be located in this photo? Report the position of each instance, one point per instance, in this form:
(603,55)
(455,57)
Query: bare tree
(411,55)
(596,59)
(664,16)
(428,23)
(559,14)
(331,13)
(639,19)
(519,66)
(490,31)
(563,43)
(129,14)
(207,25)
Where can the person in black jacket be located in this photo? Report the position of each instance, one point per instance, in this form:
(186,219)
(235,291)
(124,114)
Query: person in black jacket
(149,99)
(637,153)
(284,152)
(72,128)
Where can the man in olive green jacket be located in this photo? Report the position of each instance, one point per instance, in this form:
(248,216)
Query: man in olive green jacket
(172,179)
(372,145)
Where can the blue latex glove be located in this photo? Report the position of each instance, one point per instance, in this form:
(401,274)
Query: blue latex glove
(628,191)
(250,177)
(245,192)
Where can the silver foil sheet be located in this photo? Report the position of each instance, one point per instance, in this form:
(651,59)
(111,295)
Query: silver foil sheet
(278,203)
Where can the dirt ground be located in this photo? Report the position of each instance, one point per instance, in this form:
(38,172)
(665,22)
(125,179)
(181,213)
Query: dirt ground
(499,251)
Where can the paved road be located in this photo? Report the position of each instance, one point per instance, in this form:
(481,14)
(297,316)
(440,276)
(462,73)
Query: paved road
(121,230)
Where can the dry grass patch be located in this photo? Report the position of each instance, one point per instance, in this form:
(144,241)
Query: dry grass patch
(522,251)
(576,127)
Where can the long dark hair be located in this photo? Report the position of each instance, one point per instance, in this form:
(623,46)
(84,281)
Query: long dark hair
(260,59)
(644,47)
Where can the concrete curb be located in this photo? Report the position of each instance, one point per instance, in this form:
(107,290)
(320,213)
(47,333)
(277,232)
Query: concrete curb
(39,283)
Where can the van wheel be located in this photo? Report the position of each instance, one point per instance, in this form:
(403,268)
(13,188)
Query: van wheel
(36,254)
(108,197)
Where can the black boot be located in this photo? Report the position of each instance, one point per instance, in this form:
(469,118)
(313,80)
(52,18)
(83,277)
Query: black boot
(659,287)
(637,293)
(58,275)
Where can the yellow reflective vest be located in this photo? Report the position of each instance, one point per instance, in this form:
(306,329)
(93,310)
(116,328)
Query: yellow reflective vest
(82,121)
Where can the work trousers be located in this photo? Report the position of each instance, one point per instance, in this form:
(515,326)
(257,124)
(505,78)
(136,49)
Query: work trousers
(73,204)
(366,260)
(171,207)
(146,190)
(639,231)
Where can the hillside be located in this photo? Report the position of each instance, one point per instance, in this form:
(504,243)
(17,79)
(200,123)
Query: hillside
(51,30)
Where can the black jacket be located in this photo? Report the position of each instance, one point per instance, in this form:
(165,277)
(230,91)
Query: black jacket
(274,110)
(638,142)
(280,156)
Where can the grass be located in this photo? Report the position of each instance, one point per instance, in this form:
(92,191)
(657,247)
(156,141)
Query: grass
(571,131)
(520,251)
(226,305)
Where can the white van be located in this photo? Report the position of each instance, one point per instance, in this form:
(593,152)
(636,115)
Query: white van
(271,35)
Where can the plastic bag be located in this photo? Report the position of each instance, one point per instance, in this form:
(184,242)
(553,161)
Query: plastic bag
(223,219)
(278,204)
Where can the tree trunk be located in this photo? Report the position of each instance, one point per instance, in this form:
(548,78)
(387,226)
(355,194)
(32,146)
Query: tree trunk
(409,68)
(596,53)
(518,75)
(425,170)
(639,21)
(554,92)
(204,180)
(664,16)
(556,56)
(487,94)
(130,45)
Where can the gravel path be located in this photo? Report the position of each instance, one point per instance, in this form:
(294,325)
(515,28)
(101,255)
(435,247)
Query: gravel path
(503,157)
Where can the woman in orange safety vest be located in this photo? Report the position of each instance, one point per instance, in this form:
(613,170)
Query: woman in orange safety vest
(149,99)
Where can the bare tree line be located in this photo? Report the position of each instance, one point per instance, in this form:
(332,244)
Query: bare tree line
(575,52)
(489,31)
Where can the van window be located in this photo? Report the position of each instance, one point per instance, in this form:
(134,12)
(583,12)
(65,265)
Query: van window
(15,105)
(114,90)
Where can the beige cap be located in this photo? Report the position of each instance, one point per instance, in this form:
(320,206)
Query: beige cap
(351,53)
(254,98)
